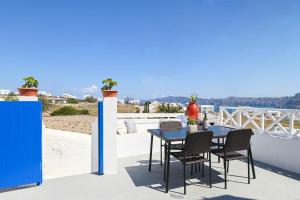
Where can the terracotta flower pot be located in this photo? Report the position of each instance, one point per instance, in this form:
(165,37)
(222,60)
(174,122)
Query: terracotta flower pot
(109,93)
(28,92)
(192,111)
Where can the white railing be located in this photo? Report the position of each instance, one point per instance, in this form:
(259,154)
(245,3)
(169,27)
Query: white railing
(148,115)
(261,119)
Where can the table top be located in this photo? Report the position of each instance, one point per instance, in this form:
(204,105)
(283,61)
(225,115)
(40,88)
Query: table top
(180,135)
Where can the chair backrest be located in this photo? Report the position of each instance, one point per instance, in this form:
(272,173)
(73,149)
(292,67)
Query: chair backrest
(197,143)
(170,125)
(238,140)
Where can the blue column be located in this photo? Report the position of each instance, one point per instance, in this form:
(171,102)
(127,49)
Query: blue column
(100,129)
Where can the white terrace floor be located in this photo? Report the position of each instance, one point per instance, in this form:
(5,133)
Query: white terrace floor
(135,182)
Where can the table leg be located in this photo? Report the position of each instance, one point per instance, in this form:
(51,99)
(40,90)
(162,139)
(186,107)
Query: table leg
(252,163)
(168,166)
(150,159)
(219,160)
(161,152)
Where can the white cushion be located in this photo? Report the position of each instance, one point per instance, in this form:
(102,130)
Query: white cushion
(131,126)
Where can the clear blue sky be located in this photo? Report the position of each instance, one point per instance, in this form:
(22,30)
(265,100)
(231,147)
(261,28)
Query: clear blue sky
(153,48)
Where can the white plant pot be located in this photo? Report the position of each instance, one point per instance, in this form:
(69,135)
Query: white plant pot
(192,128)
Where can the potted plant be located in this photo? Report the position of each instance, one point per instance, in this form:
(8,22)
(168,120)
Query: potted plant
(192,110)
(30,88)
(192,126)
(108,84)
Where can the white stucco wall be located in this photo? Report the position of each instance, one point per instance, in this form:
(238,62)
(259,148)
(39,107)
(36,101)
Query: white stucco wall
(277,151)
(136,144)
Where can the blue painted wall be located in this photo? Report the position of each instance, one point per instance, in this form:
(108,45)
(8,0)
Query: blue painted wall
(100,122)
(20,144)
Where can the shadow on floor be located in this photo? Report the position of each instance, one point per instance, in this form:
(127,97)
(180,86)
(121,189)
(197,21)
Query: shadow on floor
(18,188)
(277,170)
(154,179)
(227,197)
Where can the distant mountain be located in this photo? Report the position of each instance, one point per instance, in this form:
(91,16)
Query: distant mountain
(292,102)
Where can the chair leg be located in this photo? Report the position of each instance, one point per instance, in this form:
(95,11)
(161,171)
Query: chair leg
(192,169)
(184,178)
(203,170)
(209,155)
(196,169)
(248,159)
(252,163)
(228,166)
(165,161)
(225,173)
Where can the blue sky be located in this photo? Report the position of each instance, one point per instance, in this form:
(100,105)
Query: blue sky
(153,48)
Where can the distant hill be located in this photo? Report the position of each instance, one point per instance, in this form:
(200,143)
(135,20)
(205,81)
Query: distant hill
(292,102)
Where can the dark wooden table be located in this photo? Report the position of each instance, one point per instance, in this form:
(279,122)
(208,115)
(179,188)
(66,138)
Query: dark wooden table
(220,132)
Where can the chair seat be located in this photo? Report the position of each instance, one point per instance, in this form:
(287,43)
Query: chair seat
(189,159)
(213,144)
(177,146)
(229,155)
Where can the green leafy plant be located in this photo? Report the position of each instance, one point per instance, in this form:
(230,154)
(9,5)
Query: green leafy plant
(30,82)
(11,97)
(72,101)
(146,107)
(90,99)
(168,108)
(108,84)
(68,110)
(127,108)
(193,98)
(192,122)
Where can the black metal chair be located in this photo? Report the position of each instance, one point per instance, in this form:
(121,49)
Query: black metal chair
(236,140)
(196,144)
(169,126)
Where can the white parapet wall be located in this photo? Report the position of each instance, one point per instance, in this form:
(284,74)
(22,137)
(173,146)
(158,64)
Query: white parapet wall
(133,144)
(136,144)
(29,98)
(95,147)
(278,151)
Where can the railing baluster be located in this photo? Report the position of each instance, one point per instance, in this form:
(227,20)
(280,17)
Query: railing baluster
(291,123)
(221,115)
(239,114)
(262,120)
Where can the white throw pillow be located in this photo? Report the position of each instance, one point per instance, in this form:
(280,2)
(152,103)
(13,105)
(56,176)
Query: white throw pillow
(121,128)
(131,126)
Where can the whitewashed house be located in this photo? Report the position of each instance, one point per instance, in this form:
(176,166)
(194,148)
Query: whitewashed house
(207,108)
(4,92)
(68,96)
